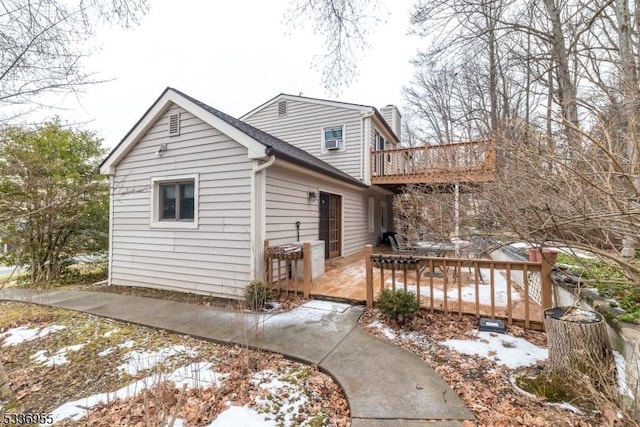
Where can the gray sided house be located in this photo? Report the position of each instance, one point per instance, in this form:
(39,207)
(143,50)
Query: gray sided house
(195,192)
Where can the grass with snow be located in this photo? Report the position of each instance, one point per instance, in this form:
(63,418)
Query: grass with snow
(86,370)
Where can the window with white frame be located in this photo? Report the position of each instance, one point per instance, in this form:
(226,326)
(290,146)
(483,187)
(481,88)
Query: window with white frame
(175,202)
(333,138)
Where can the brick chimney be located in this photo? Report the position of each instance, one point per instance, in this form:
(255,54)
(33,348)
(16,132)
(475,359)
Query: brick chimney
(391,115)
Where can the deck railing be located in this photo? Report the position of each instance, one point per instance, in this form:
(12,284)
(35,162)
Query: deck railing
(287,268)
(444,163)
(478,287)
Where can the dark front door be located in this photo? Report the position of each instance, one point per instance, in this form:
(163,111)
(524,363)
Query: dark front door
(330,224)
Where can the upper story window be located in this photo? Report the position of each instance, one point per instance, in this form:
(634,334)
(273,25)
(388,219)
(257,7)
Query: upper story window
(333,138)
(175,202)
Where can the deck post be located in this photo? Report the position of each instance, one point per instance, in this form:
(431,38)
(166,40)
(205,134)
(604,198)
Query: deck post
(368,250)
(545,282)
(306,256)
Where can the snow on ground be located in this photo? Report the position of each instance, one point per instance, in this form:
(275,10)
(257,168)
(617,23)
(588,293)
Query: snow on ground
(310,313)
(137,361)
(109,350)
(512,352)
(194,375)
(469,290)
(387,332)
(111,332)
(282,402)
(21,334)
(621,369)
(289,396)
(58,358)
(241,416)
(504,349)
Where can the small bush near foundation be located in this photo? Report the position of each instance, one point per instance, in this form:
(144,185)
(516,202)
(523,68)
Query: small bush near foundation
(257,294)
(398,305)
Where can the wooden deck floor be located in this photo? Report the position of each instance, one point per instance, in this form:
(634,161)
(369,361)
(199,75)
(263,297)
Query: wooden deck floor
(344,279)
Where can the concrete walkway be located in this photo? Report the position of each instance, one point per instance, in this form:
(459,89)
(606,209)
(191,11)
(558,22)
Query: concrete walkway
(385,385)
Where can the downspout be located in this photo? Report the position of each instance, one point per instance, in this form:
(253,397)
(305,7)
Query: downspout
(110,255)
(258,225)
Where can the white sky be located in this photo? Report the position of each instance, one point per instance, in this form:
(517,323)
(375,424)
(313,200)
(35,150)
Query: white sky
(231,55)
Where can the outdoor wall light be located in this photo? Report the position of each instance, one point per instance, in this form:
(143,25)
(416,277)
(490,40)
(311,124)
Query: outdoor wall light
(162,149)
(312,196)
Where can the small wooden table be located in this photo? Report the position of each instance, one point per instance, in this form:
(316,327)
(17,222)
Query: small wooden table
(438,249)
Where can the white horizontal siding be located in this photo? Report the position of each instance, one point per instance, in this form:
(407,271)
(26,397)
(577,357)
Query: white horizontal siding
(215,257)
(302,127)
(288,202)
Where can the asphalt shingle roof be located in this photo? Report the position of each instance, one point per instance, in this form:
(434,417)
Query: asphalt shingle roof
(276,146)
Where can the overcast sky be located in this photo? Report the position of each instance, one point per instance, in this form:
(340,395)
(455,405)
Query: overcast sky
(232,55)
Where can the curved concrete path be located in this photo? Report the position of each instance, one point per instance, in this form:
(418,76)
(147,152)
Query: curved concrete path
(385,385)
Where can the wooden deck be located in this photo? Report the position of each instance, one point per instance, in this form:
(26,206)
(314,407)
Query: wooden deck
(445,164)
(345,279)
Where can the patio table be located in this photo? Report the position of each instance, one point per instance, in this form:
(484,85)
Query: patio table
(438,249)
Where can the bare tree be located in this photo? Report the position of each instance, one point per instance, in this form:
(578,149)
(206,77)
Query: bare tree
(44,42)
(345,26)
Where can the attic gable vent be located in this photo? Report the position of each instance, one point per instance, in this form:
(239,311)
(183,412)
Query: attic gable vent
(174,124)
(282,108)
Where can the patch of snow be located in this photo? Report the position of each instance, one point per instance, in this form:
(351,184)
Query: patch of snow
(77,409)
(197,375)
(289,395)
(621,370)
(469,292)
(386,331)
(106,351)
(137,361)
(111,332)
(303,315)
(58,358)
(109,350)
(567,406)
(22,334)
(327,306)
(187,375)
(127,344)
(506,350)
(241,416)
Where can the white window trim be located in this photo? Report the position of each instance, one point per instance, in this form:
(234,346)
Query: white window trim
(155,200)
(323,149)
(372,215)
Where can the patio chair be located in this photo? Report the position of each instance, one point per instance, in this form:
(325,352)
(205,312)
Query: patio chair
(397,248)
(402,245)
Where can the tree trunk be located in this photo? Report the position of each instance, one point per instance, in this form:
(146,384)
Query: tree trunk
(579,349)
(566,88)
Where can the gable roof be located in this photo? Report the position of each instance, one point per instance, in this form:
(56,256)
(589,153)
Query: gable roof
(320,101)
(259,143)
